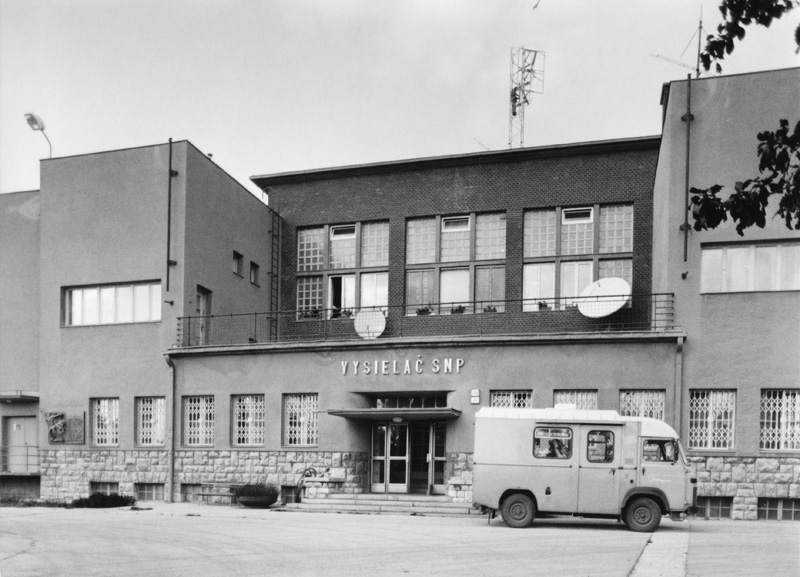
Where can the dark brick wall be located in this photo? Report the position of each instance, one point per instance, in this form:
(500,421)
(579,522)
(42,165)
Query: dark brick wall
(602,174)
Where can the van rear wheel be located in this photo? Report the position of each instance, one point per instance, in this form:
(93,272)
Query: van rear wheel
(518,511)
(643,515)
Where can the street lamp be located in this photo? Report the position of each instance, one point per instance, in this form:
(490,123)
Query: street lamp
(37,123)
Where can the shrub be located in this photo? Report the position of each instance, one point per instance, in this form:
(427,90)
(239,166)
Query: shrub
(101,501)
(258,490)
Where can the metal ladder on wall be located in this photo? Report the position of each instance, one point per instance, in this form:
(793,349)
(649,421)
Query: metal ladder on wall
(274,274)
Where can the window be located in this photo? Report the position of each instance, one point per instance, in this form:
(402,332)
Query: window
(435,400)
(198,421)
(191,492)
(300,419)
(779,509)
(238,263)
(344,258)
(748,268)
(552,443)
(711,419)
(105,422)
(150,419)
(513,399)
(780,420)
(583,400)
(600,447)
(566,249)
(112,304)
(103,487)
(660,451)
(642,403)
(457,262)
(714,507)
(248,419)
(149,491)
(254,272)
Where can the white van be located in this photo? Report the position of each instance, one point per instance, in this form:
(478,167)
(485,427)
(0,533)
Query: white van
(584,463)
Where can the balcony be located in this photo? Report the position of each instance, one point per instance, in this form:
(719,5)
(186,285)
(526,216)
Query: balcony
(641,313)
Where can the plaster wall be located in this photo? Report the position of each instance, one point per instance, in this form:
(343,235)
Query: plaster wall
(740,341)
(330,372)
(19,291)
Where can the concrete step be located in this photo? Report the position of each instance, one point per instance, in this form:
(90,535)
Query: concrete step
(375,506)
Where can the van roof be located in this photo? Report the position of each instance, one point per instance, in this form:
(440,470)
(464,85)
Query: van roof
(650,427)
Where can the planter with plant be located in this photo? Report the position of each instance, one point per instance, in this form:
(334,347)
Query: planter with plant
(423,311)
(257,494)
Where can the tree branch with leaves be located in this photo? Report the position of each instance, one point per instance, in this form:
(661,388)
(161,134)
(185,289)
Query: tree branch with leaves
(778,151)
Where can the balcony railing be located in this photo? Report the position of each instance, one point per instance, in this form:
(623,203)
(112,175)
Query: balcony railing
(22,459)
(640,313)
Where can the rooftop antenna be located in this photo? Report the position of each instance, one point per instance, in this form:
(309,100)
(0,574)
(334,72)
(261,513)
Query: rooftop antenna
(527,79)
(699,34)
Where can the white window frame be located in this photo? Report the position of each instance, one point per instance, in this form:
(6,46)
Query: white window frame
(105,422)
(199,431)
(151,415)
(712,419)
(716,277)
(780,420)
(567,219)
(109,304)
(300,424)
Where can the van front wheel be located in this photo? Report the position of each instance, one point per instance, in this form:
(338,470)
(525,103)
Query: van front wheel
(518,511)
(643,515)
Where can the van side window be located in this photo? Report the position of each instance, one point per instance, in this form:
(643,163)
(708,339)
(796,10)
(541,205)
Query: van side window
(600,447)
(659,451)
(552,443)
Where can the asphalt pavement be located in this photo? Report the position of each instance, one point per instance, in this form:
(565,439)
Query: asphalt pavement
(189,539)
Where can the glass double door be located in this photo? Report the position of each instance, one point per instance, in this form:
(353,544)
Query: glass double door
(408,457)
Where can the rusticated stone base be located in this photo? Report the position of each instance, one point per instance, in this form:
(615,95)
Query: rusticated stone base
(67,475)
(747,479)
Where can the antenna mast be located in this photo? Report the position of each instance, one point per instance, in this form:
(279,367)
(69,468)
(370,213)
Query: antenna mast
(527,78)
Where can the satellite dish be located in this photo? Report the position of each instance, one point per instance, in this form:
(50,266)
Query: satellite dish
(604,297)
(369,324)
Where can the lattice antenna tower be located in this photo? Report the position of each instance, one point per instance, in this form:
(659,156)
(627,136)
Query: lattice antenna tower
(527,79)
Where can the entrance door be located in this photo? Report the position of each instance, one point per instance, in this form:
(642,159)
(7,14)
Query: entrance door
(22,447)
(408,457)
(598,488)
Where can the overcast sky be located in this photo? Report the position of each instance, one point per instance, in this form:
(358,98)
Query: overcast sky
(286,85)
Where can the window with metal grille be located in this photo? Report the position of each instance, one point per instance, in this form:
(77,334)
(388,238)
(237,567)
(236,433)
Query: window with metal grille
(248,419)
(300,419)
(616,228)
(712,417)
(780,420)
(714,507)
(190,492)
(642,403)
(198,420)
(105,421)
(106,305)
(149,491)
(150,420)
(103,487)
(583,400)
(513,399)
(779,509)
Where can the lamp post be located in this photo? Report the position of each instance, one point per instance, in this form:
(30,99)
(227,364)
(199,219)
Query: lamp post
(37,123)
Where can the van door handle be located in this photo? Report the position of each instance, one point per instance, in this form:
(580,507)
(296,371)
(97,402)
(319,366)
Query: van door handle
(642,470)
